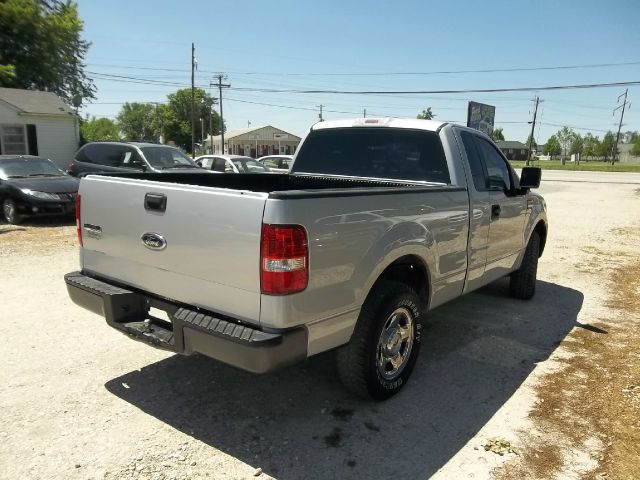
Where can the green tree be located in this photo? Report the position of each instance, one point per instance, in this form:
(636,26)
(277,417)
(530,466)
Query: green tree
(630,136)
(607,145)
(497,134)
(41,48)
(136,121)
(426,114)
(635,150)
(552,147)
(591,146)
(176,117)
(534,145)
(577,145)
(99,129)
(565,136)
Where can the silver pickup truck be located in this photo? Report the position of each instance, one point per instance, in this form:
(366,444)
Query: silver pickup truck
(379,221)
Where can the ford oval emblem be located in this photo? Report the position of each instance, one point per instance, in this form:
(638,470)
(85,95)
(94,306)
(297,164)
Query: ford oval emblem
(153,241)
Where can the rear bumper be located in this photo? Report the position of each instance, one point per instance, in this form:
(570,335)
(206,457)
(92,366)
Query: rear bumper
(190,330)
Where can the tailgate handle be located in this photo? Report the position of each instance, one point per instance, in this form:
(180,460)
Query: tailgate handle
(155,201)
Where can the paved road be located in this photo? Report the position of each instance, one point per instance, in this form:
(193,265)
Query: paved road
(590,177)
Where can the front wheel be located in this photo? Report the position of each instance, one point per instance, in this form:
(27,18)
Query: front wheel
(10,211)
(523,281)
(380,357)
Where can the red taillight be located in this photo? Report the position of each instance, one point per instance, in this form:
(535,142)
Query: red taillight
(78,221)
(284,260)
(71,168)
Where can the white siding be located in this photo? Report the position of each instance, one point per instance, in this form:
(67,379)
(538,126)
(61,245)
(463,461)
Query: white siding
(57,135)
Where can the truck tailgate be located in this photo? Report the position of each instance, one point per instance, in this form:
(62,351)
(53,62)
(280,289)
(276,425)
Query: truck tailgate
(212,253)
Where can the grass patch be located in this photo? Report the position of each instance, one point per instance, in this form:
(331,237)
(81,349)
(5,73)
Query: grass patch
(592,403)
(582,167)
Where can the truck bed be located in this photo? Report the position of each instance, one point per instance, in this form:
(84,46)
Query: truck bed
(288,185)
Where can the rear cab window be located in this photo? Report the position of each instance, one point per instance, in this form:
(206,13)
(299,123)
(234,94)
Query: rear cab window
(399,154)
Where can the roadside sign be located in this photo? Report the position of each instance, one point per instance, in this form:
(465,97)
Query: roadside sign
(481,117)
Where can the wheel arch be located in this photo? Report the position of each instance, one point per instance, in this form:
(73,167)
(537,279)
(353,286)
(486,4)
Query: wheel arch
(541,230)
(411,270)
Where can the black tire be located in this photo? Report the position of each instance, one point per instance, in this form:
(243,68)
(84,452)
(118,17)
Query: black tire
(523,281)
(10,212)
(358,361)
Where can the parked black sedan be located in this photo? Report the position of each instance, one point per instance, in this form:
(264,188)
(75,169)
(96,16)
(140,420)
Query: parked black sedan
(34,186)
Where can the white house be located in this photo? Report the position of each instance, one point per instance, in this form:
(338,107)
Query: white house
(255,142)
(37,123)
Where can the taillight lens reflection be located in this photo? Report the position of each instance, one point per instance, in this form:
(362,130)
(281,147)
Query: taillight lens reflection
(284,259)
(78,221)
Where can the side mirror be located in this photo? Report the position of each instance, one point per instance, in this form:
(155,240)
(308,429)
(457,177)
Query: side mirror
(530,177)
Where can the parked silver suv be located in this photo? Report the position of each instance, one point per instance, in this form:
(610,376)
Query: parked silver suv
(127,156)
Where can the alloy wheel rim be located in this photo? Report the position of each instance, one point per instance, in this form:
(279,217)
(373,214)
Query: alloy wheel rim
(8,210)
(395,343)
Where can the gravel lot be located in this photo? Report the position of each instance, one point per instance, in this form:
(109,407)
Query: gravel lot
(80,400)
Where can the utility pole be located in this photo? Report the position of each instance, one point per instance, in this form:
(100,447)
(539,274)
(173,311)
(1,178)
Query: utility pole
(211,126)
(248,124)
(364,114)
(320,116)
(158,122)
(193,100)
(220,86)
(533,127)
(623,107)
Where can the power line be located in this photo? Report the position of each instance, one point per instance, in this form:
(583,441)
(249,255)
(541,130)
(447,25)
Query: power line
(309,109)
(385,92)
(435,72)
(416,92)
(575,128)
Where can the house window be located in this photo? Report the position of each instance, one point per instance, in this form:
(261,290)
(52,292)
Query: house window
(13,140)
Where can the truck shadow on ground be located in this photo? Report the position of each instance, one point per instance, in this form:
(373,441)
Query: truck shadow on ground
(300,423)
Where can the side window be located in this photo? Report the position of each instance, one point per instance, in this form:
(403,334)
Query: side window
(228,167)
(218,164)
(477,168)
(101,154)
(499,178)
(271,162)
(131,159)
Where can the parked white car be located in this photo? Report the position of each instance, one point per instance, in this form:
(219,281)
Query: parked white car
(231,164)
(277,163)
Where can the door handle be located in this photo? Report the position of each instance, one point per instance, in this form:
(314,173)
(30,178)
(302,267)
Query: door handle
(155,201)
(495,211)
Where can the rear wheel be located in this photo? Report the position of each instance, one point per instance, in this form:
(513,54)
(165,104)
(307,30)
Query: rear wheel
(380,357)
(523,281)
(10,211)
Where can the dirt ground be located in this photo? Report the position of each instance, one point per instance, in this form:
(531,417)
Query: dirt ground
(502,389)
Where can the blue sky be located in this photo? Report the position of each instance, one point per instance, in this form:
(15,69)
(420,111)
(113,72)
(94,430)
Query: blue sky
(323,45)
